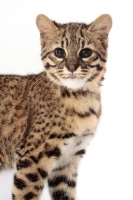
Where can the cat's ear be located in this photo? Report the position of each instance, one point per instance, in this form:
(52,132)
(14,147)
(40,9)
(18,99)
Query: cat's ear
(45,25)
(101,26)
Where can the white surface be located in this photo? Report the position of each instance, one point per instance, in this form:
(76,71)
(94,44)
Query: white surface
(106,172)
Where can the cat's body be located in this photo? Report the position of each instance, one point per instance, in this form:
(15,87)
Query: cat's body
(47,120)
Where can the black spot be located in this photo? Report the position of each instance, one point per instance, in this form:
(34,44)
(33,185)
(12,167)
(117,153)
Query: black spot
(93,112)
(47,66)
(59,124)
(53,152)
(26,152)
(102,79)
(32,177)
(19,183)
(29,195)
(65,93)
(75,94)
(61,179)
(99,68)
(53,135)
(56,116)
(13,197)
(42,172)
(82,115)
(46,55)
(68,135)
(81,152)
(31,136)
(23,164)
(92,77)
(22,147)
(47,124)
(36,159)
(71,184)
(56,181)
(29,144)
(60,194)
(92,66)
(54,124)
(37,130)
(61,168)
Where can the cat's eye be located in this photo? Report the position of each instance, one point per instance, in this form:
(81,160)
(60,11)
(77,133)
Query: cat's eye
(85,53)
(60,53)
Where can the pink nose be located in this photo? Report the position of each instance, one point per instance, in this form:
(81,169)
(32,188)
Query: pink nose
(72,67)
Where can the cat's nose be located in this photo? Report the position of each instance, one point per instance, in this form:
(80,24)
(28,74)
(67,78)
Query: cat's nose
(72,67)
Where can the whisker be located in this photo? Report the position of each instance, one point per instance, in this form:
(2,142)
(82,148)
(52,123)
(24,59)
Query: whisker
(45,86)
(37,82)
(95,84)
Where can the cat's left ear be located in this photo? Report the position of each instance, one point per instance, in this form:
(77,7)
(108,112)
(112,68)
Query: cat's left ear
(101,26)
(45,25)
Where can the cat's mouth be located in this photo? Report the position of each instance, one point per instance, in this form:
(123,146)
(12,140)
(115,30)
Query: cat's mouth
(72,76)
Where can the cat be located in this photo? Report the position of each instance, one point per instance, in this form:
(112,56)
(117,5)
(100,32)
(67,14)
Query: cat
(47,120)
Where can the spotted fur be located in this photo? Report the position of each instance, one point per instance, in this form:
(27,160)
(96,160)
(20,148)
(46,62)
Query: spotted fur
(47,120)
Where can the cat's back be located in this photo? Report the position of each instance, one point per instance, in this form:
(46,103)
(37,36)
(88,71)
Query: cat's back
(12,89)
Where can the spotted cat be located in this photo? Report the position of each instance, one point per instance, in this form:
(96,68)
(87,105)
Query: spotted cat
(47,120)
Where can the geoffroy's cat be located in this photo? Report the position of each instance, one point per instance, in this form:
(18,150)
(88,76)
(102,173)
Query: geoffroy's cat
(47,120)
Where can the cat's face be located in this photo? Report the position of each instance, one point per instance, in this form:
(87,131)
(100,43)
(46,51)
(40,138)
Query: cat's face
(74,54)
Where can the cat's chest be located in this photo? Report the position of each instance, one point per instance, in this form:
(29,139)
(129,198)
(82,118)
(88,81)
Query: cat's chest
(69,114)
(73,148)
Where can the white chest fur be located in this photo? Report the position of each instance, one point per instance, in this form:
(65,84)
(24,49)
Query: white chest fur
(71,147)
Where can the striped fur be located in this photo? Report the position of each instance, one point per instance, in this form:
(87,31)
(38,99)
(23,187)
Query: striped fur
(48,120)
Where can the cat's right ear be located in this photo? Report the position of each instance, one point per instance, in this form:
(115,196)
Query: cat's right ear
(45,25)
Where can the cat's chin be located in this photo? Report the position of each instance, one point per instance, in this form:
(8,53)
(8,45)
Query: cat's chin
(73,83)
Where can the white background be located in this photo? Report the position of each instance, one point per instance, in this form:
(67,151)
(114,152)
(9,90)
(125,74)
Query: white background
(106,172)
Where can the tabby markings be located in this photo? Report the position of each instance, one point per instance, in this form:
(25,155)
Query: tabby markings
(46,55)
(65,136)
(92,77)
(23,164)
(32,177)
(53,152)
(98,67)
(47,66)
(60,194)
(29,195)
(19,183)
(36,159)
(61,179)
(86,114)
(42,172)
(80,152)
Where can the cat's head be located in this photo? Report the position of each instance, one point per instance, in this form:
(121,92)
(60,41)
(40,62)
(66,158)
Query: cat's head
(74,54)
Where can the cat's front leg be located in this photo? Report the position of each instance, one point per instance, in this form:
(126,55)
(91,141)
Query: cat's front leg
(32,171)
(62,181)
